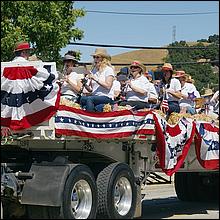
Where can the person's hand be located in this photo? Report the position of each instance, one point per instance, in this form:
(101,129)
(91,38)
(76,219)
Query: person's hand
(170,91)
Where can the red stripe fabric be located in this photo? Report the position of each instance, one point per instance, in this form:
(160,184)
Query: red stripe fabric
(19,72)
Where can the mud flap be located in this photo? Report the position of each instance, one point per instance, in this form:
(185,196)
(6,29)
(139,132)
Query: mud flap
(47,185)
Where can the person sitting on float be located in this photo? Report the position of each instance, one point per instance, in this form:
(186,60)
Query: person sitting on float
(189,93)
(171,89)
(137,88)
(101,77)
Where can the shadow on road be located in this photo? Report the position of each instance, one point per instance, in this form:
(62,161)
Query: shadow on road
(171,206)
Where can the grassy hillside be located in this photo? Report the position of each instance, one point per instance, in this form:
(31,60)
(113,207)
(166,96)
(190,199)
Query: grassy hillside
(144,56)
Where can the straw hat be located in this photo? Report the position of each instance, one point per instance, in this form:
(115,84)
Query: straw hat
(101,52)
(22,46)
(69,57)
(179,73)
(167,66)
(139,64)
(208,92)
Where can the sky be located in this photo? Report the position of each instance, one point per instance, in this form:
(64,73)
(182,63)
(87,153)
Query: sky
(139,30)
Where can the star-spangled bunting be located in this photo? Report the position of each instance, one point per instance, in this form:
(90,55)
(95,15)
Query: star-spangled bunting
(29,96)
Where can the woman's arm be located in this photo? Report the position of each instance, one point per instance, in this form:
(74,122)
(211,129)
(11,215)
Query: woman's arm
(107,84)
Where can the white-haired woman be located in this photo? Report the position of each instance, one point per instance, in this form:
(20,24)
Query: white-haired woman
(101,81)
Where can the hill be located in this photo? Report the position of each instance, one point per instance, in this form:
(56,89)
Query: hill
(144,56)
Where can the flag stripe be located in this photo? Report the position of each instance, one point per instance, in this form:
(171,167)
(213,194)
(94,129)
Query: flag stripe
(19,72)
(121,123)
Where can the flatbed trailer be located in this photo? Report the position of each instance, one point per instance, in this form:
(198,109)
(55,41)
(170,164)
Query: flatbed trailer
(48,175)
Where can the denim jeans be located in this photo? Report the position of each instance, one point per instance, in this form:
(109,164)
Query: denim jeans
(95,103)
(173,107)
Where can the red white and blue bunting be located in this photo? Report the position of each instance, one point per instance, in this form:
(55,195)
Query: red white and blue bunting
(207,145)
(29,96)
(173,142)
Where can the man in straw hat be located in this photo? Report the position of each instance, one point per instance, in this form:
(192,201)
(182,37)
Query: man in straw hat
(189,93)
(101,81)
(22,52)
(171,90)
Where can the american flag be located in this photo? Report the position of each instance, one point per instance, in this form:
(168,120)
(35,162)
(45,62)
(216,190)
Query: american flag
(105,125)
(29,95)
(164,105)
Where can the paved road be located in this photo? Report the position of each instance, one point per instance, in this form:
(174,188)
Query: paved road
(160,202)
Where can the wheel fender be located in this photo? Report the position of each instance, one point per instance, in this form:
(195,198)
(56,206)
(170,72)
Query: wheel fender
(47,185)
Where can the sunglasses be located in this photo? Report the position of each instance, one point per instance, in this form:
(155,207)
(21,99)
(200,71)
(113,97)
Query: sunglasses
(134,67)
(96,57)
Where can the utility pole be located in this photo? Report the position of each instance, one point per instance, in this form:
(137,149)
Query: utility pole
(174,34)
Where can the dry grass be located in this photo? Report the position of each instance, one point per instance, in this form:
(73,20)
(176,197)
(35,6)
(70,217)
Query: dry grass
(144,56)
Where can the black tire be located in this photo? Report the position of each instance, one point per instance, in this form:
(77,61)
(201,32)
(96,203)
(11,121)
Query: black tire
(107,181)
(191,187)
(79,173)
(81,177)
(186,186)
(181,188)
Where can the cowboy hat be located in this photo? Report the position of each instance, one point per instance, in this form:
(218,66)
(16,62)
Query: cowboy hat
(101,52)
(69,57)
(179,73)
(208,92)
(22,46)
(167,66)
(139,64)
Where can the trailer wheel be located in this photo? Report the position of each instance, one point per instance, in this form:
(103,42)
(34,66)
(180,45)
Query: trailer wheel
(181,186)
(193,187)
(117,192)
(80,194)
(79,198)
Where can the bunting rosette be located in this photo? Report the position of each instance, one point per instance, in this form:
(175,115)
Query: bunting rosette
(29,96)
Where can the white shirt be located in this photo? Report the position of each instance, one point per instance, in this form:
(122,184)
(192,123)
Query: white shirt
(142,83)
(116,86)
(188,89)
(152,93)
(214,101)
(19,59)
(66,88)
(175,86)
(100,90)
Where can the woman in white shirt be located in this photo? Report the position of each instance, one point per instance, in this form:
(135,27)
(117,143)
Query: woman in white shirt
(137,87)
(70,83)
(171,89)
(189,93)
(101,81)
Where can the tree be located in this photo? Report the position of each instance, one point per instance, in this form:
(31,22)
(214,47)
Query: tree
(214,39)
(47,25)
(201,73)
